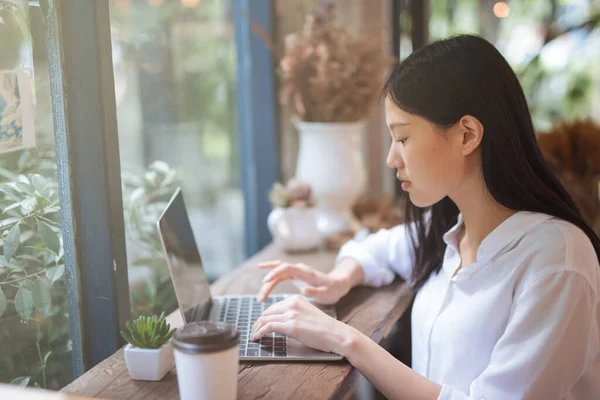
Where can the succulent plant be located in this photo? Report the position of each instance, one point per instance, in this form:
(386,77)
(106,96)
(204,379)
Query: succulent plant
(148,332)
(279,196)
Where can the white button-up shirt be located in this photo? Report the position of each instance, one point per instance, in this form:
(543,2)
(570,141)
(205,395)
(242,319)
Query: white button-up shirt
(522,322)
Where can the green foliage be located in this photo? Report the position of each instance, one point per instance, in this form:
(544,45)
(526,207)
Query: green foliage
(153,295)
(554,93)
(148,332)
(34,322)
(18,14)
(196,53)
(145,195)
(14,24)
(30,237)
(144,198)
(3,302)
(32,269)
(21,381)
(24,303)
(32,286)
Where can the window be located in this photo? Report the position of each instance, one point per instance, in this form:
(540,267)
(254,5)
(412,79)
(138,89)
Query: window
(35,343)
(175,86)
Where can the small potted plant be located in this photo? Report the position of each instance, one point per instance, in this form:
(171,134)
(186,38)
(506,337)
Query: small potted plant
(148,355)
(293,220)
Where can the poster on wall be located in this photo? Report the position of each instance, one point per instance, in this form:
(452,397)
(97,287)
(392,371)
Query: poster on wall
(16,110)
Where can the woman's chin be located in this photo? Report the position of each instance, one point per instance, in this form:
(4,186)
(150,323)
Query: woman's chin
(420,201)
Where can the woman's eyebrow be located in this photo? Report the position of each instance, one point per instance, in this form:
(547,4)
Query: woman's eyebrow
(398,125)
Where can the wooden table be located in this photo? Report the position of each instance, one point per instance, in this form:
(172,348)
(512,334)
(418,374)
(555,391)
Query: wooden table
(13,392)
(372,311)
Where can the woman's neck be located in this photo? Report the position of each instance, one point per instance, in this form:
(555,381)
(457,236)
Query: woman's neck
(481,213)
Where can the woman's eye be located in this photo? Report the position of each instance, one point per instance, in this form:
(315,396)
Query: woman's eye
(401,140)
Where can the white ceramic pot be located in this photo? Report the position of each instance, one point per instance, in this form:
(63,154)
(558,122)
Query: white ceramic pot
(330,160)
(149,364)
(294,228)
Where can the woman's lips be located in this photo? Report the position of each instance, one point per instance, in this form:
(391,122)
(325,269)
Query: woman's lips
(405,183)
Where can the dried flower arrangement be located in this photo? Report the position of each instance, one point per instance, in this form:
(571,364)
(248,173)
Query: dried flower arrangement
(326,74)
(572,151)
(371,215)
(294,194)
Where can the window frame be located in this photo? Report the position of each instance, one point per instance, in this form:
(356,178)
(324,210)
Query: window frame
(257,117)
(85,123)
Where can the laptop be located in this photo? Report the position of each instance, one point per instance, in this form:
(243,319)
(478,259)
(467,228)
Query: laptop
(196,303)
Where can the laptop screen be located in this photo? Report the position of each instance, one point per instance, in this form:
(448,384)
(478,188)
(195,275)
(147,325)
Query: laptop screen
(185,265)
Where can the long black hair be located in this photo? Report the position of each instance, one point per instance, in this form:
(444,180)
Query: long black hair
(467,75)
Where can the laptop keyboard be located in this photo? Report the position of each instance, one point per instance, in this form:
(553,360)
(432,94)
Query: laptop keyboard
(243,312)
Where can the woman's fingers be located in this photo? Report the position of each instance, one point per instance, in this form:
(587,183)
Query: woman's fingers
(302,275)
(265,319)
(322,294)
(269,264)
(278,318)
(282,306)
(314,292)
(285,272)
(279,327)
(265,290)
(288,271)
(299,319)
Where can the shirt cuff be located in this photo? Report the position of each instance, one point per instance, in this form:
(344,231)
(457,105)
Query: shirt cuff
(375,275)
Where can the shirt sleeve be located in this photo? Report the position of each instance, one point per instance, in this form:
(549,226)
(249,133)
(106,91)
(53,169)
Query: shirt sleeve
(381,255)
(551,338)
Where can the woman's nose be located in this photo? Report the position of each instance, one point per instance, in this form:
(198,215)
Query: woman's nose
(394,160)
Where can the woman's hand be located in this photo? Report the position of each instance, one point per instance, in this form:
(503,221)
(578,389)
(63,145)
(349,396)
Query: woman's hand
(324,288)
(303,321)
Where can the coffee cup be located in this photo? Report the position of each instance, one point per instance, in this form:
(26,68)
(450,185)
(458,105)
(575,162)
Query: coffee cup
(206,360)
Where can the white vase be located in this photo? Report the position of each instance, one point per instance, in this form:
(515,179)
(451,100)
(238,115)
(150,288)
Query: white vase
(149,364)
(294,228)
(330,160)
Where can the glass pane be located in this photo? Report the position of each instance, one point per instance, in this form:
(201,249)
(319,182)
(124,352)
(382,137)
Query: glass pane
(406,45)
(548,43)
(35,344)
(174,67)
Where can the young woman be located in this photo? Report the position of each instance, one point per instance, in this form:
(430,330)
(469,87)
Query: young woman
(506,271)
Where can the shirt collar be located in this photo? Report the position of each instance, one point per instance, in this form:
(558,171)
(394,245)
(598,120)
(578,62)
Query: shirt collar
(452,236)
(509,231)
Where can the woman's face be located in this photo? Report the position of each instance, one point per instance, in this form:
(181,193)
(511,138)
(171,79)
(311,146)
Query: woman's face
(430,161)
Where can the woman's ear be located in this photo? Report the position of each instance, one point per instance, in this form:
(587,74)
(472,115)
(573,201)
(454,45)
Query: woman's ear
(472,133)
